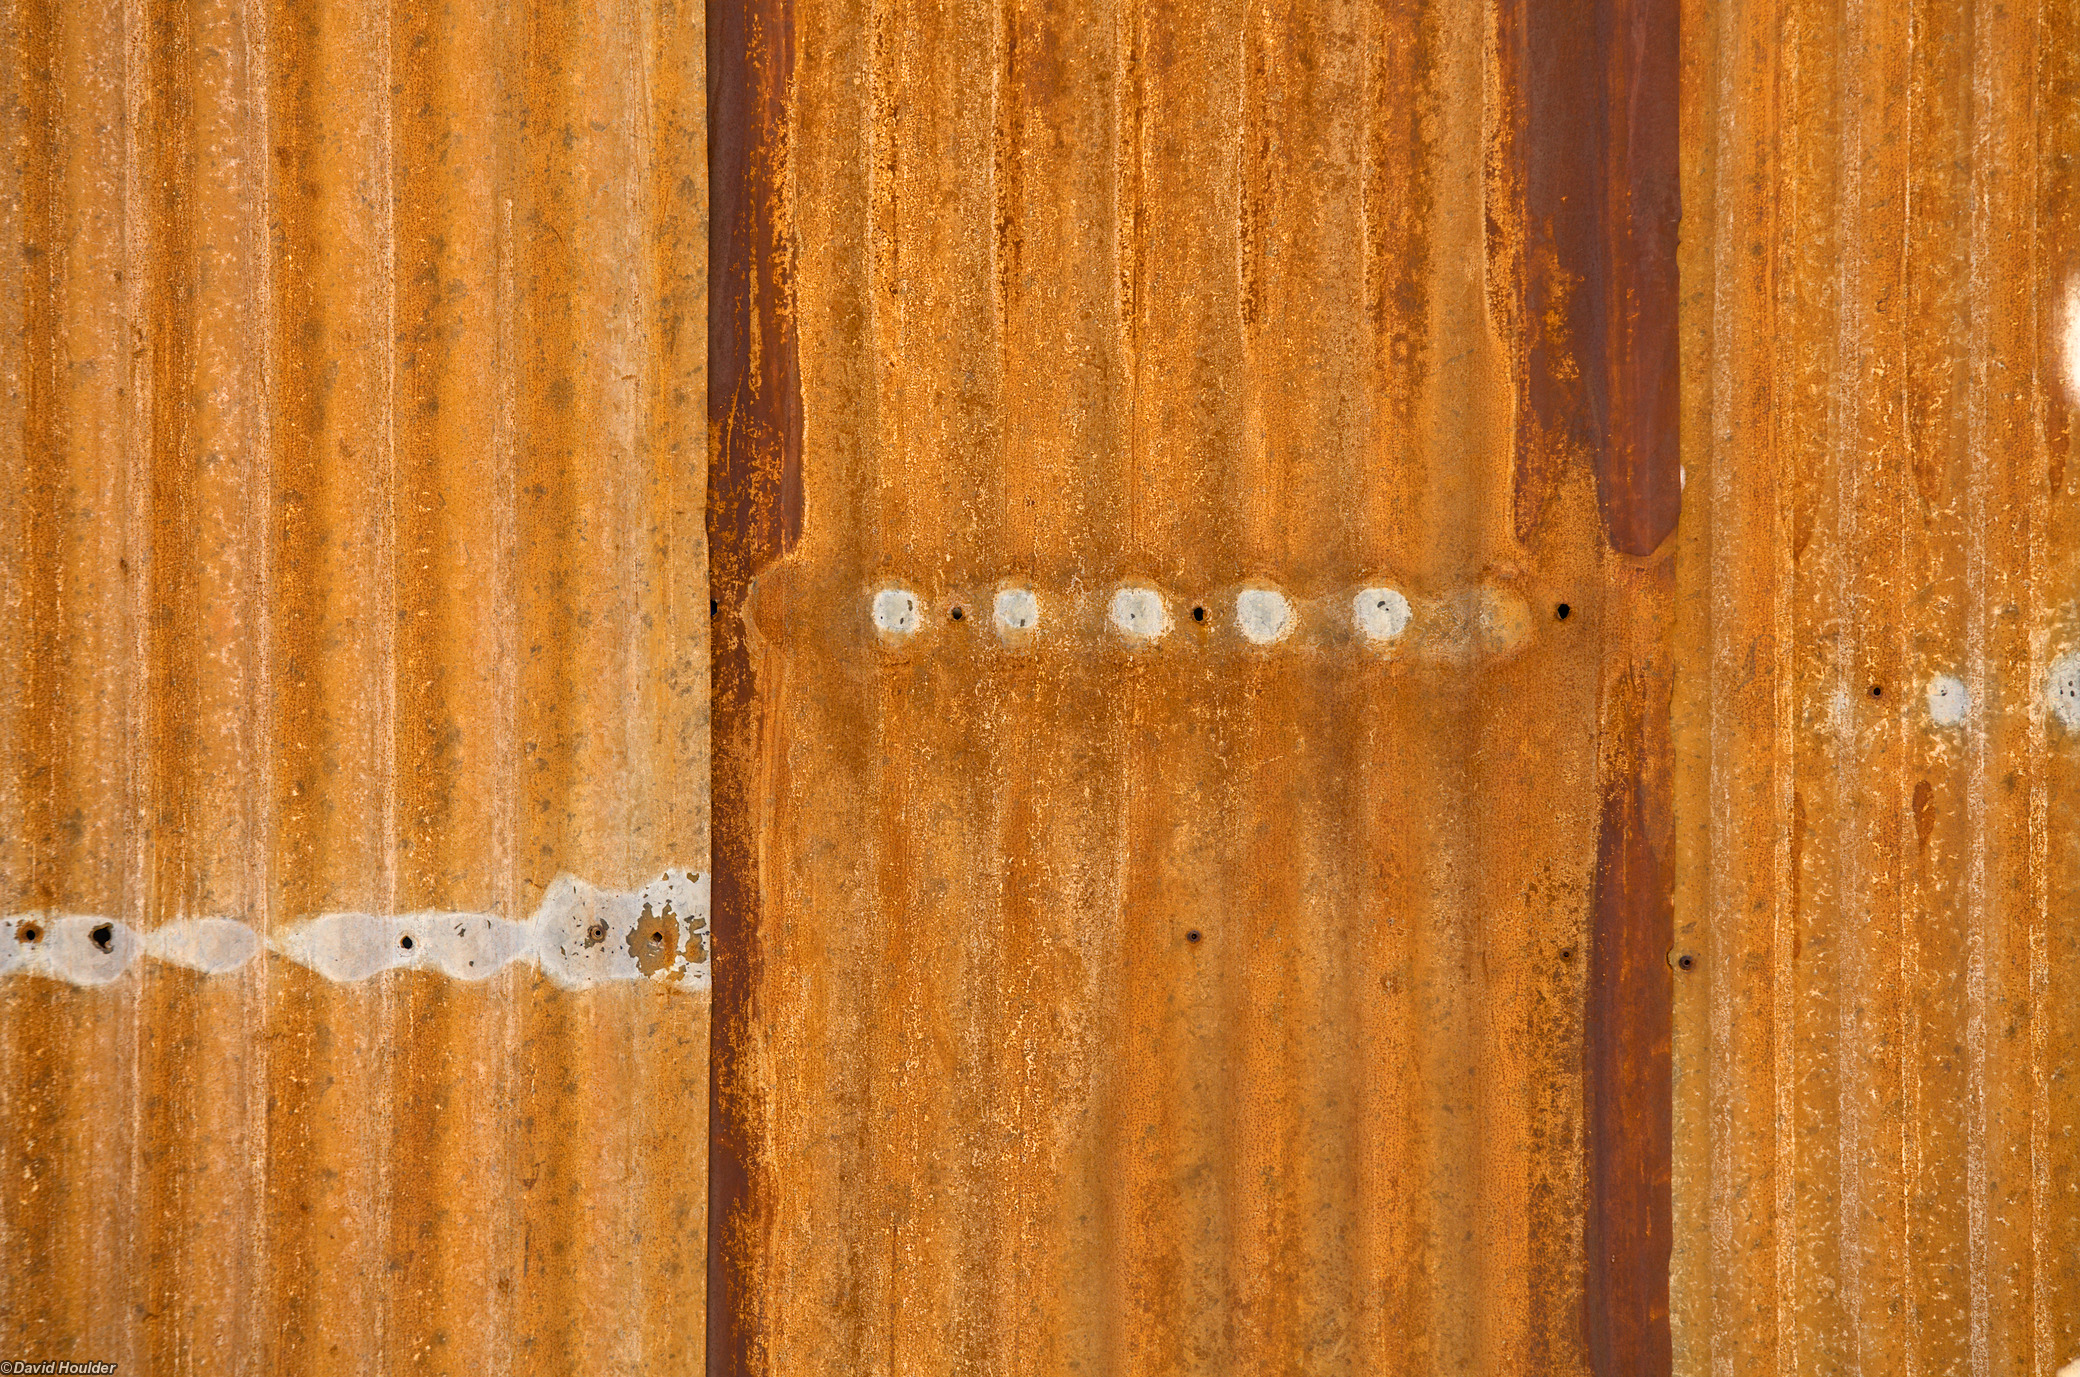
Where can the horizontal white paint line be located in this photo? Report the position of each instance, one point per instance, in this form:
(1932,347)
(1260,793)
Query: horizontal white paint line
(581,936)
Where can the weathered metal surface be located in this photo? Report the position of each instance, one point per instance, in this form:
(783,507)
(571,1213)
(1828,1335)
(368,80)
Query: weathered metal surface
(1249,936)
(1878,1137)
(1595,95)
(351,553)
(754,515)
(1210,1001)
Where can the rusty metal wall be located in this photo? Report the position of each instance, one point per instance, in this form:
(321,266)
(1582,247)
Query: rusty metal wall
(1091,1001)
(1243,998)
(1878,1136)
(352,461)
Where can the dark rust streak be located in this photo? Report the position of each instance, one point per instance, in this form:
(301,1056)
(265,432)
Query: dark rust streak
(1595,96)
(754,516)
(1625,1055)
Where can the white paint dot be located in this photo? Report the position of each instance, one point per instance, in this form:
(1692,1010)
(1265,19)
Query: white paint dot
(1139,613)
(1381,613)
(2062,690)
(1263,614)
(1017,610)
(1949,701)
(895,611)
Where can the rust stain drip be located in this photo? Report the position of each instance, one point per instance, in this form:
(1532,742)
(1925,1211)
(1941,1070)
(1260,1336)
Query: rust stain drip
(1594,95)
(754,516)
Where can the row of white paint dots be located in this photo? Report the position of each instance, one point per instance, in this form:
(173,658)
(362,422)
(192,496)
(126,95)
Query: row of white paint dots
(1261,614)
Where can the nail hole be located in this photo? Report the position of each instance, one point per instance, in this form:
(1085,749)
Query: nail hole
(1685,961)
(657,937)
(1192,936)
(957,614)
(103,937)
(1198,614)
(405,941)
(1567,953)
(1876,691)
(1561,611)
(29,933)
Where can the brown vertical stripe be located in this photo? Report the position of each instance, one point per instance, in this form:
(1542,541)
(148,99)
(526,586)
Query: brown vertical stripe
(1626,1024)
(754,515)
(1594,93)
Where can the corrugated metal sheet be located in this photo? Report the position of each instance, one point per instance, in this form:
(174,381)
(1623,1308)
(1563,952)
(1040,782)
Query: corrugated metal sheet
(1088,1002)
(352,431)
(1295,990)
(1878,1136)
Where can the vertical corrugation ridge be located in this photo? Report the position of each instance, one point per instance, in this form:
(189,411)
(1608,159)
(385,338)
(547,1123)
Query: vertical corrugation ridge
(1969,132)
(2045,1218)
(1851,659)
(756,511)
